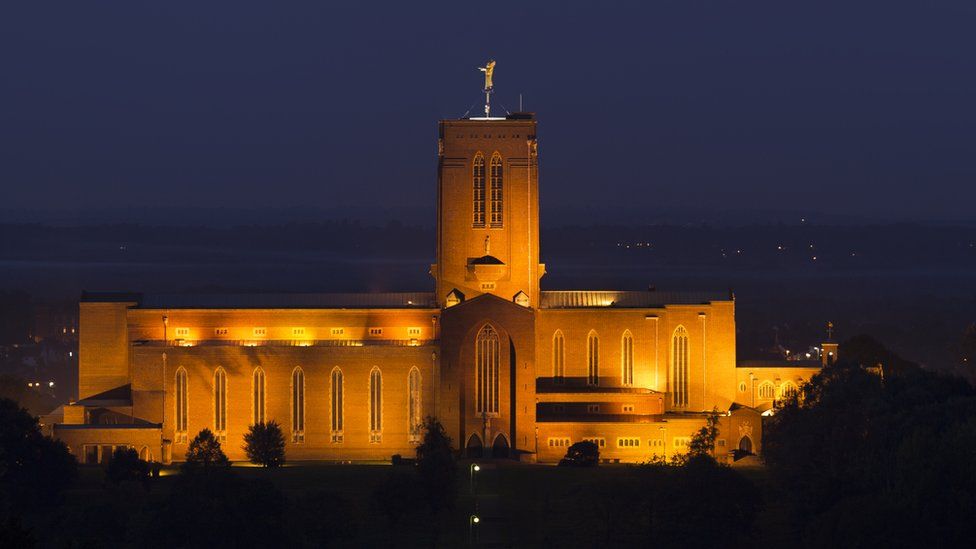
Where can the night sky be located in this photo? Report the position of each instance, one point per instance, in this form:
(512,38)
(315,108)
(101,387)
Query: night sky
(851,108)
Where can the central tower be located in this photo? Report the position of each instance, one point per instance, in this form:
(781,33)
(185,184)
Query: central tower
(488,210)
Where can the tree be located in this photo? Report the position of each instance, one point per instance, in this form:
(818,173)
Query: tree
(264,444)
(702,443)
(205,452)
(582,454)
(437,466)
(34,469)
(126,465)
(895,446)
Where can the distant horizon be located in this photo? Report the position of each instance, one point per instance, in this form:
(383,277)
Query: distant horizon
(552,217)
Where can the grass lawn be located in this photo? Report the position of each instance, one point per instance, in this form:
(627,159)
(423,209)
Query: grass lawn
(518,505)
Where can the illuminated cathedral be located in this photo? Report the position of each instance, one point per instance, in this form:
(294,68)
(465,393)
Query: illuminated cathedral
(511,370)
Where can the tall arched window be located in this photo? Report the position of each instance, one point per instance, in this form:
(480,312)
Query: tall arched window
(220,404)
(478,183)
(375,405)
(486,371)
(181,405)
(593,359)
(627,358)
(298,405)
(767,390)
(558,356)
(679,367)
(257,388)
(414,412)
(497,199)
(335,391)
(787,390)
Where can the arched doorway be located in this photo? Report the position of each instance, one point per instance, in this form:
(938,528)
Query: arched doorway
(499,448)
(745,445)
(474,448)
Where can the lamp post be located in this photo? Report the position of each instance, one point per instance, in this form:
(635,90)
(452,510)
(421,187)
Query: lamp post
(473,521)
(472,470)
(664,437)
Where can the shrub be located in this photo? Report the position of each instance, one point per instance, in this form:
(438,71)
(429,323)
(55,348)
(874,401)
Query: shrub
(582,454)
(264,444)
(205,452)
(126,465)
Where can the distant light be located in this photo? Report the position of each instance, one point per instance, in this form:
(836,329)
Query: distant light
(71,353)
(475,519)
(477,467)
(50,384)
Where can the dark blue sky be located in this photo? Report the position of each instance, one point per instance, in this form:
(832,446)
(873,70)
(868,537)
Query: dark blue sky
(857,108)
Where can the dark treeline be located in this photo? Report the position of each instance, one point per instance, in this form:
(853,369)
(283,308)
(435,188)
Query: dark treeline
(753,246)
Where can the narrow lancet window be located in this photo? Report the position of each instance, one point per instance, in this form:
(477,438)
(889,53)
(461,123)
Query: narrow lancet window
(486,371)
(375,406)
(336,394)
(627,358)
(497,195)
(558,356)
(181,405)
(478,181)
(220,404)
(679,367)
(414,411)
(593,359)
(298,406)
(258,389)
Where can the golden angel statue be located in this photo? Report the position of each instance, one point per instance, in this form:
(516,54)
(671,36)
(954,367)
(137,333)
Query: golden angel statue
(488,70)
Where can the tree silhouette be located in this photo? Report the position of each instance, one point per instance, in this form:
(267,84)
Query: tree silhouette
(437,466)
(264,444)
(205,453)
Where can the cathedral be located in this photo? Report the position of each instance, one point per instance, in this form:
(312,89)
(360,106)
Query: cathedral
(511,370)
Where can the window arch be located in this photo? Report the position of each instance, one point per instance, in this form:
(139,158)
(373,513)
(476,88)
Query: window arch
(627,358)
(679,367)
(766,390)
(558,356)
(220,404)
(181,405)
(375,405)
(257,396)
(335,392)
(497,198)
(593,358)
(787,390)
(415,419)
(478,184)
(298,405)
(486,373)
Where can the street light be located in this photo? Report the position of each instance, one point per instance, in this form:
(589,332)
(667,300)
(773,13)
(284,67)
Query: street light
(664,437)
(473,469)
(473,521)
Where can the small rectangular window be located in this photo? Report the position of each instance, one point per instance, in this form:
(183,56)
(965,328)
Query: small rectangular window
(182,332)
(376,331)
(628,407)
(260,332)
(681,443)
(221,331)
(721,443)
(628,442)
(559,442)
(338,331)
(600,442)
(413,331)
(487,286)
(593,408)
(298,332)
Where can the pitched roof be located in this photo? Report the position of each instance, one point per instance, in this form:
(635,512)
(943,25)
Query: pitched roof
(387,300)
(567,299)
